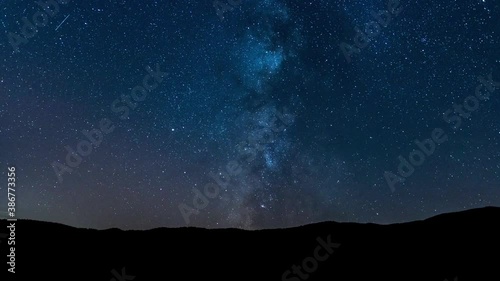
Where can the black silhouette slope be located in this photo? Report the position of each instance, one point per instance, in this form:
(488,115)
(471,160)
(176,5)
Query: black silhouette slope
(465,245)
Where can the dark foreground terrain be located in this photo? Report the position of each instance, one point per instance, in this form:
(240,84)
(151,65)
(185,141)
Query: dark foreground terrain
(457,246)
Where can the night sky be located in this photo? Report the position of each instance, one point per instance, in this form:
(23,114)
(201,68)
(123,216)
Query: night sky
(267,113)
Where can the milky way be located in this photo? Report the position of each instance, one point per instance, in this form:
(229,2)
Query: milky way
(310,108)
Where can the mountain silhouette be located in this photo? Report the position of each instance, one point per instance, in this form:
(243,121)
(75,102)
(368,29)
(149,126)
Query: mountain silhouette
(455,246)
